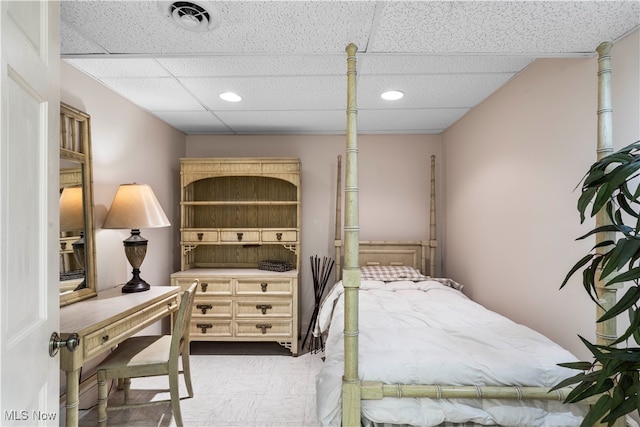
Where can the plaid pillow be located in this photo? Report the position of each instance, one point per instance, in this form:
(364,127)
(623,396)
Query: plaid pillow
(390,273)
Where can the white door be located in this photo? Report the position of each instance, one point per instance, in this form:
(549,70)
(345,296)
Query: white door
(29,156)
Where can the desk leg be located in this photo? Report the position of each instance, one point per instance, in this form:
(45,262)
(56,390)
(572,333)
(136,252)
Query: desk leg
(73,397)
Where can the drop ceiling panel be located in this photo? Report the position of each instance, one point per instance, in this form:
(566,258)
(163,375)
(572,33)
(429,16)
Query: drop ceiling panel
(429,91)
(74,41)
(283,122)
(268,26)
(420,121)
(255,65)
(501,26)
(439,64)
(155,94)
(271,93)
(193,121)
(120,67)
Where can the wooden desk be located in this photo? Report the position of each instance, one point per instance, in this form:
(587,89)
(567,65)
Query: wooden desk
(104,322)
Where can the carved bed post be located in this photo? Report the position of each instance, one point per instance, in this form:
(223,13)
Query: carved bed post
(337,241)
(433,239)
(605,331)
(351,270)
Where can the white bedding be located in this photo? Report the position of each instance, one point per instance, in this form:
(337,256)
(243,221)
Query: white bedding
(428,333)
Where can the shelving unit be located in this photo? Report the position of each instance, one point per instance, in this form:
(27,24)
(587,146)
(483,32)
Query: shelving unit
(236,212)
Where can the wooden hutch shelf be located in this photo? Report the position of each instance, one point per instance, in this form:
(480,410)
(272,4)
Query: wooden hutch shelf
(235,213)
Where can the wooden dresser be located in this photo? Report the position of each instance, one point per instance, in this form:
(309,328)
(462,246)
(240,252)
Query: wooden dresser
(236,214)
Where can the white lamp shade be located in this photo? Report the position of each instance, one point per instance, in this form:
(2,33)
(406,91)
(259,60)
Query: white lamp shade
(135,206)
(71,209)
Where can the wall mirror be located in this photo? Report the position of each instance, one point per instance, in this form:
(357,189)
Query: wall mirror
(77,231)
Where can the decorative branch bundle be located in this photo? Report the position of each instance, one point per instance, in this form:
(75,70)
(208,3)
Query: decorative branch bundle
(320,273)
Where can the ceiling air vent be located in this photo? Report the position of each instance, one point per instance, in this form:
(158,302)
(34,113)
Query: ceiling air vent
(193,16)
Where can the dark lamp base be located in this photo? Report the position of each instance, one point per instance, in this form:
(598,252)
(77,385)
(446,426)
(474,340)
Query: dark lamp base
(135,286)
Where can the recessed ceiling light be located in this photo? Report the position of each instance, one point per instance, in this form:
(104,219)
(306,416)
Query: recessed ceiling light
(231,97)
(392,95)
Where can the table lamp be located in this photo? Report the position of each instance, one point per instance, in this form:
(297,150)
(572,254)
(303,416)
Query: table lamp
(135,206)
(72,219)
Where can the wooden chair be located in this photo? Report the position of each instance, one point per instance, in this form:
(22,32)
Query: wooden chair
(147,356)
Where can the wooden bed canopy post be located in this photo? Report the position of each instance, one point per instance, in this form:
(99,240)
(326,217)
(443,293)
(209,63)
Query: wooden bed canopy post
(351,273)
(337,241)
(433,239)
(606,332)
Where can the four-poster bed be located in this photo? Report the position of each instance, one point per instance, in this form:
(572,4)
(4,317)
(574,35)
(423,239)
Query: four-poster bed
(379,393)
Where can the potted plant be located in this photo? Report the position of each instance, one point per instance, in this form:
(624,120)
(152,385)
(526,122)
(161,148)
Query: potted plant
(612,379)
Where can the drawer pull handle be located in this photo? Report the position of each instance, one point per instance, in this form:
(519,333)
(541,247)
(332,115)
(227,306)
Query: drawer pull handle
(63,246)
(204,307)
(204,327)
(279,236)
(105,338)
(239,236)
(200,236)
(263,327)
(264,307)
(204,286)
(264,286)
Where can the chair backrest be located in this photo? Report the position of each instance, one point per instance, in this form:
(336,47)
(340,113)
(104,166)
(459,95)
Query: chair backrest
(180,333)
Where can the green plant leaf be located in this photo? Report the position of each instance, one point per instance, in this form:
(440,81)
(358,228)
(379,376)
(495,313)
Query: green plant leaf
(582,391)
(624,250)
(620,410)
(592,348)
(621,198)
(584,201)
(581,366)
(631,274)
(597,411)
(609,227)
(615,179)
(575,268)
(633,329)
(588,280)
(629,299)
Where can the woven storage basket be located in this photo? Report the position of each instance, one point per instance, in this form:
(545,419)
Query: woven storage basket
(271,265)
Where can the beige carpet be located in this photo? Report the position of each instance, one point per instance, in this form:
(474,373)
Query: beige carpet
(235,386)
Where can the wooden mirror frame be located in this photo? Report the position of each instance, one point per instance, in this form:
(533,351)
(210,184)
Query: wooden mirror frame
(75,146)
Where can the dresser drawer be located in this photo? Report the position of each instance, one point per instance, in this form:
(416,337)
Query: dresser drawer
(212,307)
(196,236)
(207,327)
(264,286)
(208,285)
(264,329)
(279,236)
(105,338)
(240,236)
(264,309)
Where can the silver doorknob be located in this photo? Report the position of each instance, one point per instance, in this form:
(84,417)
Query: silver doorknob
(55,343)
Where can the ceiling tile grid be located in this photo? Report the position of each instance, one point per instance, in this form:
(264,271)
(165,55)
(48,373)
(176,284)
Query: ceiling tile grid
(287,58)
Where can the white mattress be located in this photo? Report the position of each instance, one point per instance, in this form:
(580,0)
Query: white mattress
(428,333)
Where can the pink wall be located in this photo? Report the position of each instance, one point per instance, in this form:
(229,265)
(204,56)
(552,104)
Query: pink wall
(511,168)
(394,191)
(129,145)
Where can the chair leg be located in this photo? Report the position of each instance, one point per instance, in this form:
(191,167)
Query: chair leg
(186,372)
(174,391)
(127,389)
(103,395)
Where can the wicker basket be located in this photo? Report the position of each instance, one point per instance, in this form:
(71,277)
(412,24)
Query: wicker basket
(271,265)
